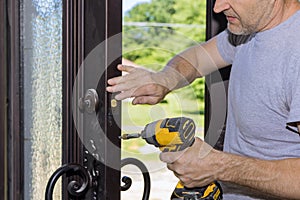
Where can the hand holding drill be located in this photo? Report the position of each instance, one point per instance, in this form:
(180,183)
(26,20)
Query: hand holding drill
(173,136)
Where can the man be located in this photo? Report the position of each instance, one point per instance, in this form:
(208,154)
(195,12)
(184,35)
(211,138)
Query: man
(261,158)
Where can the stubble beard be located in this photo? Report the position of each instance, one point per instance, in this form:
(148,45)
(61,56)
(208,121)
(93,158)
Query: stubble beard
(240,29)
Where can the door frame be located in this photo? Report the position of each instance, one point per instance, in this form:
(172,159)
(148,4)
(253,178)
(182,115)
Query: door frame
(11,175)
(214,124)
(11,181)
(79,39)
(3,104)
(11,96)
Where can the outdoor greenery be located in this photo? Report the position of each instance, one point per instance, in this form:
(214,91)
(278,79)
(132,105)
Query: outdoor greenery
(171,11)
(168,27)
(152,34)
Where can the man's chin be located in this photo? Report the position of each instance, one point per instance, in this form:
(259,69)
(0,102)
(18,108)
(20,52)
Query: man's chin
(237,30)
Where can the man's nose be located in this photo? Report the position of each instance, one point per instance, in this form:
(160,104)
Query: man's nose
(221,5)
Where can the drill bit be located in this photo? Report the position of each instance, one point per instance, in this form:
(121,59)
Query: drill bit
(130,136)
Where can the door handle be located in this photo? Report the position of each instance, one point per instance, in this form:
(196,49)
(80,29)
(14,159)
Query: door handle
(90,102)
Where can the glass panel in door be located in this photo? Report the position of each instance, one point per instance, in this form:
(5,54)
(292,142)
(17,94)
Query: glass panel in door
(41,39)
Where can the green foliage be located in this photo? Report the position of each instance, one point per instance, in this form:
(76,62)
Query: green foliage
(155,11)
(152,46)
(189,12)
(199,88)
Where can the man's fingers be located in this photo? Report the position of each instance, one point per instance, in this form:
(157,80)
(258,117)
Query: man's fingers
(145,100)
(138,83)
(141,95)
(171,157)
(120,79)
(125,68)
(127,91)
(125,83)
(115,80)
(114,88)
(122,96)
(121,87)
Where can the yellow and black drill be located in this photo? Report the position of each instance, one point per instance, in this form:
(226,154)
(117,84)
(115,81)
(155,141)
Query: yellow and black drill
(177,134)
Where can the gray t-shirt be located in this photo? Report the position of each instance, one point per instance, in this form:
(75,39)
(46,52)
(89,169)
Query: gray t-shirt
(263,94)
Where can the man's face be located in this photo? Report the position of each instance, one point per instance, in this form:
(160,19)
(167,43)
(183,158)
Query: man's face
(246,16)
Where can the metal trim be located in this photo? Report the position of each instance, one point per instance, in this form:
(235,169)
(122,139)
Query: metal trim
(215,23)
(72,57)
(3,104)
(15,121)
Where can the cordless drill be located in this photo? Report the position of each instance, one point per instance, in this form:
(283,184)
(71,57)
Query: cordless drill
(172,135)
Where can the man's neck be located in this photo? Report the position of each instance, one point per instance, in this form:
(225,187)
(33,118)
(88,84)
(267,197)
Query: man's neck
(283,9)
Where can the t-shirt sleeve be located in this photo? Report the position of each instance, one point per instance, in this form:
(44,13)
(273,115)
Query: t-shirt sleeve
(294,84)
(226,49)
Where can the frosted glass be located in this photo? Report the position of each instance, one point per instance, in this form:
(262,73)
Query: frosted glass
(42,39)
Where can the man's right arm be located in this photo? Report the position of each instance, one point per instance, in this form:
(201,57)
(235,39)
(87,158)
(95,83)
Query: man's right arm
(195,62)
(147,87)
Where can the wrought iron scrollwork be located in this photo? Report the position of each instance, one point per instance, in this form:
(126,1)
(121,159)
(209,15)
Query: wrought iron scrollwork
(128,182)
(75,188)
(146,176)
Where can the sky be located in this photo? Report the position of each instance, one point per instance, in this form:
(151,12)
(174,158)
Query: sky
(128,4)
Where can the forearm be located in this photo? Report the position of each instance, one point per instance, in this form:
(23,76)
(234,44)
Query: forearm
(195,62)
(279,178)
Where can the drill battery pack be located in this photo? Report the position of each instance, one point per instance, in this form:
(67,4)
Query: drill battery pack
(210,192)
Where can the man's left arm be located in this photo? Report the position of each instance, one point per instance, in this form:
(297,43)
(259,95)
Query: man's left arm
(200,165)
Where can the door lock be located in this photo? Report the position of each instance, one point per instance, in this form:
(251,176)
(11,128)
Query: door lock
(90,102)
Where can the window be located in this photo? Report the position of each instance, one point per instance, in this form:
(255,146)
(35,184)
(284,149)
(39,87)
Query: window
(41,65)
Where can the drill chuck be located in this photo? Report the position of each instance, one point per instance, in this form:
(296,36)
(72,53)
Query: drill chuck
(129,136)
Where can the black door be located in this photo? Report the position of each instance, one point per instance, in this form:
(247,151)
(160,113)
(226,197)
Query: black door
(45,46)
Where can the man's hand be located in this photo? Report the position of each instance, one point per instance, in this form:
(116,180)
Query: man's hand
(200,165)
(145,86)
(194,166)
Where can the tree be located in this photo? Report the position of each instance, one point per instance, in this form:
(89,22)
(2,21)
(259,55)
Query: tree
(153,45)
